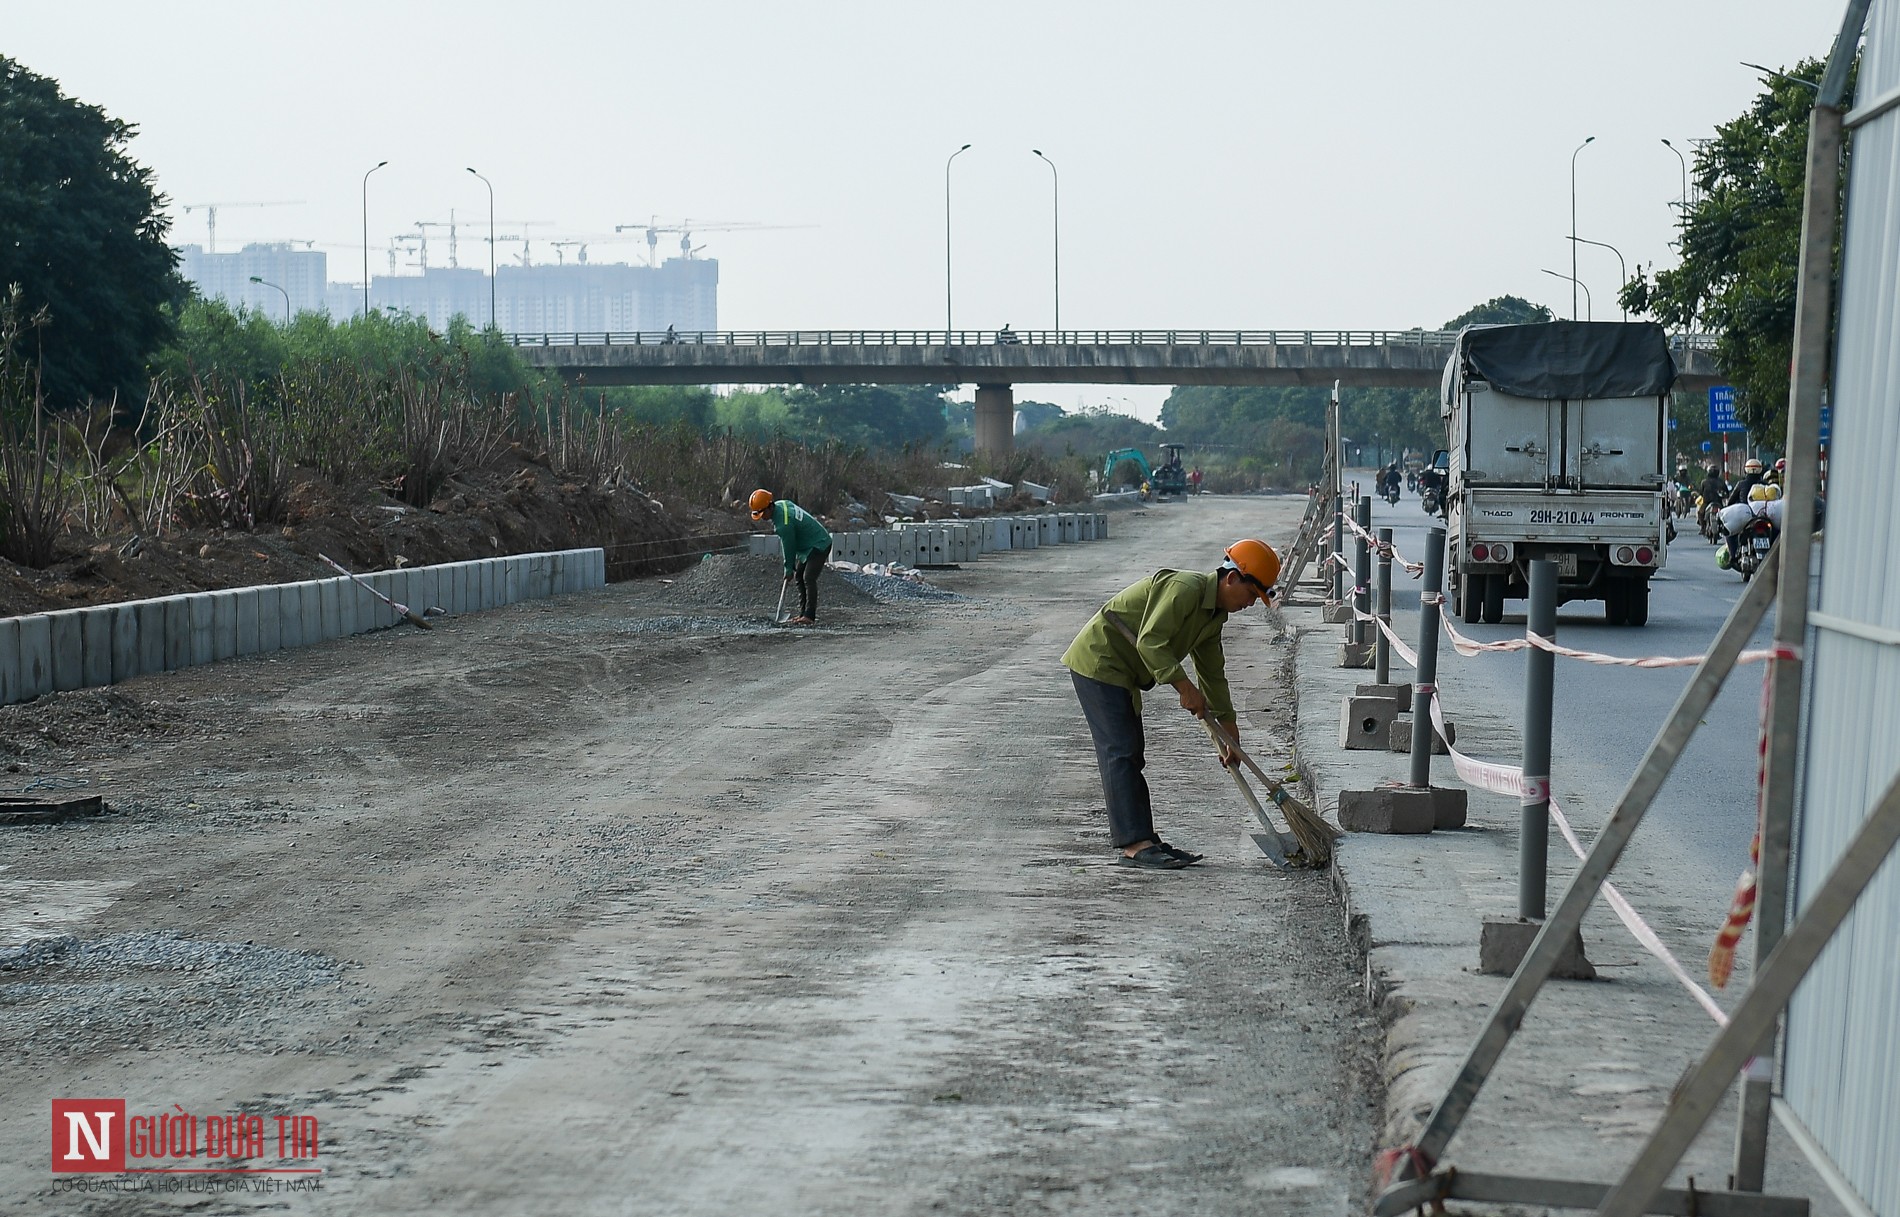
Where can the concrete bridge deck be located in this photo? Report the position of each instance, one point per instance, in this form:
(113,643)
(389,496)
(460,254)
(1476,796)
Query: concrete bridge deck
(1407,359)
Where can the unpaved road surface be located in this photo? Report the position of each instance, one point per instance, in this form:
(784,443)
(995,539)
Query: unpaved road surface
(625,903)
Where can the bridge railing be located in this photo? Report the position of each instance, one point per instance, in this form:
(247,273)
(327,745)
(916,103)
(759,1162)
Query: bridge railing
(1040,338)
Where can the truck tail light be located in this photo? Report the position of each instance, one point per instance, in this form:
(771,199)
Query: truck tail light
(1500,553)
(1645,555)
(1480,552)
(1625,555)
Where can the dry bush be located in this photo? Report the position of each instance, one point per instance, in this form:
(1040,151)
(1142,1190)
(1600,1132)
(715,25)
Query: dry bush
(35,493)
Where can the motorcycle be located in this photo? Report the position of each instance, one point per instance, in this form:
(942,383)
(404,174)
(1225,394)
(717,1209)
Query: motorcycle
(1432,501)
(1391,492)
(1757,538)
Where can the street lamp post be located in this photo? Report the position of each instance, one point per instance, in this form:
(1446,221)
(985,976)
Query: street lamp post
(1589,311)
(1621,267)
(1056,178)
(268,283)
(1682,207)
(372,169)
(491,248)
(1573,225)
(949,314)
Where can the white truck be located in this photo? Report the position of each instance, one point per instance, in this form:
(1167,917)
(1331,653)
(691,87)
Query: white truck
(1556,442)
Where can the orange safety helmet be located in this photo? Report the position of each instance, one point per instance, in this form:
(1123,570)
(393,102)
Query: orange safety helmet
(1256,562)
(760,503)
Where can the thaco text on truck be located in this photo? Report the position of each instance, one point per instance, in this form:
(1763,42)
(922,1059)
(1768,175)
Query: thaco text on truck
(1556,440)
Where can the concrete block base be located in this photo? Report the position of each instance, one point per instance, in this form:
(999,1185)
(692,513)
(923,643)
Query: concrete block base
(1356,655)
(1364,723)
(1401,694)
(1338,612)
(1399,737)
(1504,941)
(1388,809)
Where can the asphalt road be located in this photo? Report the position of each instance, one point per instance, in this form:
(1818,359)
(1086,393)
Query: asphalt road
(1694,841)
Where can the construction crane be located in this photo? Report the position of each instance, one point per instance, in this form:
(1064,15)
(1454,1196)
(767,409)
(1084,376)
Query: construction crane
(211,216)
(686,229)
(560,246)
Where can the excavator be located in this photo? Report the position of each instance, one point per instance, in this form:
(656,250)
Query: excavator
(1169,478)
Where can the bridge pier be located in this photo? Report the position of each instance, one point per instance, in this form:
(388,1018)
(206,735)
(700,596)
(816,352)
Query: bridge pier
(995,419)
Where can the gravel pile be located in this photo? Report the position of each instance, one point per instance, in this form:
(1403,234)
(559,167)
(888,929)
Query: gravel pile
(698,625)
(751,584)
(893,589)
(158,990)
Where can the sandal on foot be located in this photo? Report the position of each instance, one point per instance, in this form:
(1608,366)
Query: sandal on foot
(1153,857)
(1186,857)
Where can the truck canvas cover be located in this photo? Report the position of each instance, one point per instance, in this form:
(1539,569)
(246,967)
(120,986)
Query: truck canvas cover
(1564,360)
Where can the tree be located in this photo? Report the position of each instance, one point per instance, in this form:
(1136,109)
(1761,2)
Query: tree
(1741,249)
(870,416)
(84,239)
(1501,310)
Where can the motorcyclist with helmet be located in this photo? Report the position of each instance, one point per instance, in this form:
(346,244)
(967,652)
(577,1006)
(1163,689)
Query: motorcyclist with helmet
(1763,503)
(1751,478)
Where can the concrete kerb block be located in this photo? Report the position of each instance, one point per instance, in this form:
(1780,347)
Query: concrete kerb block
(1337,612)
(270,619)
(199,648)
(125,642)
(597,568)
(1365,723)
(1504,941)
(1046,533)
(9,660)
(1101,526)
(151,631)
(350,608)
(69,649)
(36,657)
(224,624)
(290,601)
(330,599)
(1401,810)
(512,580)
(1400,694)
(313,623)
(95,637)
(1357,655)
(422,584)
(1400,736)
(246,604)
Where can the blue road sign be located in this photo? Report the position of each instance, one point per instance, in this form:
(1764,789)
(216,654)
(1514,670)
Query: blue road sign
(1706,446)
(1722,409)
(1827,422)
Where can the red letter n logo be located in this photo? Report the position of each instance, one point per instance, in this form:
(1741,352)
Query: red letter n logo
(89,1135)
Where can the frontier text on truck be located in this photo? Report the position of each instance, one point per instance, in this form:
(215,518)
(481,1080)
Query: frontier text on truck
(1556,437)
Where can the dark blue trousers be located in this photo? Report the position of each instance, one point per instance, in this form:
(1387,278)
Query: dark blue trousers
(1115,724)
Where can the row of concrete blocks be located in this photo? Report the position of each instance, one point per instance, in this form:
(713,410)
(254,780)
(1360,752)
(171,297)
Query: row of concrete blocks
(946,543)
(85,648)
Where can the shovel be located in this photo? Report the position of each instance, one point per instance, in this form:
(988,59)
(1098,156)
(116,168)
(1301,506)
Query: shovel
(778,614)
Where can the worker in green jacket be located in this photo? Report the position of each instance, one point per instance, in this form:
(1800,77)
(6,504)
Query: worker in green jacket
(806,544)
(1175,616)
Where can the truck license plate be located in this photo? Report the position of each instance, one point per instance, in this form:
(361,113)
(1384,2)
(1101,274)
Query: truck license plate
(1566,566)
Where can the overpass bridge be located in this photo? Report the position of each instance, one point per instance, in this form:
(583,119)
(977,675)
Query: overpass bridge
(996,361)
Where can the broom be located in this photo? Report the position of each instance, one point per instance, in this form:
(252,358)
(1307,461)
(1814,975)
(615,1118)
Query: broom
(1314,834)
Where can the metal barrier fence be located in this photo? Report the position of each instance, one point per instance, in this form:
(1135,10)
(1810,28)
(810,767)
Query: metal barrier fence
(1039,338)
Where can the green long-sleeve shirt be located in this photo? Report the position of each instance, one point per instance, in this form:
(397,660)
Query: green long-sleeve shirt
(1175,617)
(799,532)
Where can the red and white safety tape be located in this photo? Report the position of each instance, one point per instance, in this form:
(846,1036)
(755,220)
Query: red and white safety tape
(1470,646)
(1386,548)
(1742,907)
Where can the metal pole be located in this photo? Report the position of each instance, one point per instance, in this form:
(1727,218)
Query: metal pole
(1057,179)
(1361,573)
(1807,383)
(1382,647)
(372,169)
(1339,547)
(1533,840)
(491,248)
(949,314)
(1422,686)
(1573,226)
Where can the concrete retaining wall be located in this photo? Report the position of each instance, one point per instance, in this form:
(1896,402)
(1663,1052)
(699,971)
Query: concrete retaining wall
(85,648)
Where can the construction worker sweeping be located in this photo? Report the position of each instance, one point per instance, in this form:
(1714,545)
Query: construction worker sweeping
(806,544)
(1175,616)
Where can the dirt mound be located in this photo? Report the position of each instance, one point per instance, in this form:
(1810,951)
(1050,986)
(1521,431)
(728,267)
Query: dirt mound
(518,506)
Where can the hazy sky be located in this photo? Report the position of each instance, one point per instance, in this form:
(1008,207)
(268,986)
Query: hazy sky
(1237,165)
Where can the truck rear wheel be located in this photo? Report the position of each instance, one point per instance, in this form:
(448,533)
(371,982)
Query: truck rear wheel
(1493,598)
(1471,598)
(1615,602)
(1637,606)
